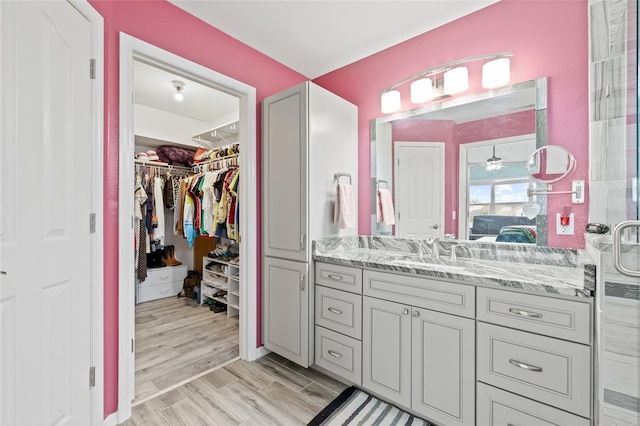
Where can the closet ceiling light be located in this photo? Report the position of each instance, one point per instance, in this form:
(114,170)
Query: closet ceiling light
(178,85)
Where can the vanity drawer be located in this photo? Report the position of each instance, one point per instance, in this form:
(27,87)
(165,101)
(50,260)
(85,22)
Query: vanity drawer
(496,407)
(565,319)
(339,311)
(548,370)
(339,354)
(164,275)
(442,296)
(339,277)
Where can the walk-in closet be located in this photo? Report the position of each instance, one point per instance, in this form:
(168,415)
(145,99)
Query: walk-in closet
(186,224)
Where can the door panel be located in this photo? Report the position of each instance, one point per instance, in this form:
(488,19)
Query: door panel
(45,241)
(285,175)
(286,318)
(419,189)
(443,358)
(386,349)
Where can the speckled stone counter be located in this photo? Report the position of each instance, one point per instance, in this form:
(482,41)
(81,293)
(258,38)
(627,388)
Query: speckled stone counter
(539,269)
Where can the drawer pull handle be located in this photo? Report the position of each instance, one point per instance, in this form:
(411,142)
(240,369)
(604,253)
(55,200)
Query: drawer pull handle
(335,277)
(335,311)
(334,354)
(525,366)
(163,291)
(164,277)
(525,313)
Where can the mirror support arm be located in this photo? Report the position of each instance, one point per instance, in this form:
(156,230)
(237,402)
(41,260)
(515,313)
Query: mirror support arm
(578,191)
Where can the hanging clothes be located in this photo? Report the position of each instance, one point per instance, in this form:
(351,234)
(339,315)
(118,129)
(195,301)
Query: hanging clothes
(158,189)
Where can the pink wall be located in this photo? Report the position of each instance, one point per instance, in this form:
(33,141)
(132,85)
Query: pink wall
(548,38)
(160,23)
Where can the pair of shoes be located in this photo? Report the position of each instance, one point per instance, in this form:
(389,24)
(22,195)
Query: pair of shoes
(170,256)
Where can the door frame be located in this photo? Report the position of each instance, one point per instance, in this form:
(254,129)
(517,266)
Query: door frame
(132,48)
(97,241)
(402,144)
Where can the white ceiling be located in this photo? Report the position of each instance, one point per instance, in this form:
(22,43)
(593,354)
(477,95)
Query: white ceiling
(316,37)
(311,37)
(153,88)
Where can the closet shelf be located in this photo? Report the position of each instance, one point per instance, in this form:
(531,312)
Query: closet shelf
(214,279)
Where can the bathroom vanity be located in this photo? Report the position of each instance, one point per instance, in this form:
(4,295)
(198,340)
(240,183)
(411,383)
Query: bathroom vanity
(502,335)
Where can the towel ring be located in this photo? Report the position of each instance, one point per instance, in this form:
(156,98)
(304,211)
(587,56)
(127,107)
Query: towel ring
(337,176)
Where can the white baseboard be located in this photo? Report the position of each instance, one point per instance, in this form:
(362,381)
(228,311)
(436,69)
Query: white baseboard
(111,420)
(261,351)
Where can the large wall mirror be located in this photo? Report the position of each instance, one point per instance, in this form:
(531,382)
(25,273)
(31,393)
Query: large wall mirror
(434,161)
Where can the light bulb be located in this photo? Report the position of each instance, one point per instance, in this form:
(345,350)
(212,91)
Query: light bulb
(421,90)
(456,80)
(178,96)
(390,101)
(496,73)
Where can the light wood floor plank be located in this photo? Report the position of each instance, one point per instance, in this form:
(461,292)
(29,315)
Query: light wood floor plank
(177,339)
(264,392)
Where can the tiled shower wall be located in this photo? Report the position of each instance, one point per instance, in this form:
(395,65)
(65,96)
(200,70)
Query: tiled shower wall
(613,167)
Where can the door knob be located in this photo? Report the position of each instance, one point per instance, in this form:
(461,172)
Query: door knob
(435,226)
(416,314)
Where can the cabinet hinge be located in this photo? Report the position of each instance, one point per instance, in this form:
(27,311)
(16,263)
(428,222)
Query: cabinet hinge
(92,68)
(92,223)
(132,346)
(92,377)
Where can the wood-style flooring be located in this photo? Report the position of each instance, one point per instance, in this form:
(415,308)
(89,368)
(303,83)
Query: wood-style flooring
(268,391)
(177,339)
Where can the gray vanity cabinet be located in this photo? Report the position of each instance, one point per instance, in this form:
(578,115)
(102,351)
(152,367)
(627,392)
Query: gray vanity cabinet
(285,296)
(443,367)
(418,358)
(386,354)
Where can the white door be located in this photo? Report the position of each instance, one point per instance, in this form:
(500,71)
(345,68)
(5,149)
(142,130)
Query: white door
(419,189)
(45,244)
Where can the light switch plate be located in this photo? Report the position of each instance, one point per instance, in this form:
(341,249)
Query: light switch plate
(577,186)
(564,230)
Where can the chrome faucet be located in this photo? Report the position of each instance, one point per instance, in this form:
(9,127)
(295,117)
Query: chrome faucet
(454,256)
(433,243)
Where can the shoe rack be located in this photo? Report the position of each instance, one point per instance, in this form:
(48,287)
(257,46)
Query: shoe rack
(221,283)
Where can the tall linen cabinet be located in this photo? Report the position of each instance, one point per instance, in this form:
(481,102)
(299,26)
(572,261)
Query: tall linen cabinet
(308,136)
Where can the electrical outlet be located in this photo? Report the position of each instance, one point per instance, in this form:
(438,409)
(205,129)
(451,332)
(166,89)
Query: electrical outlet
(564,229)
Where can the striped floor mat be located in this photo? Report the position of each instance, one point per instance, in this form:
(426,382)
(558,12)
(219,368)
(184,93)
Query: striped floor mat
(355,407)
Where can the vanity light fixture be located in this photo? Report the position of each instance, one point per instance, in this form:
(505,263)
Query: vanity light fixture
(178,85)
(426,86)
(494,163)
(456,80)
(496,73)
(421,90)
(390,101)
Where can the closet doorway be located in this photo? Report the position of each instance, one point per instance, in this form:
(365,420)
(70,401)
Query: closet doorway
(143,128)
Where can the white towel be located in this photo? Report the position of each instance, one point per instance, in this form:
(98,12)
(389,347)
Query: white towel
(344,213)
(386,206)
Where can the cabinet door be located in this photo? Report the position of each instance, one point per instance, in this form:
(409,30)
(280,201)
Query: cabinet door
(386,350)
(284,174)
(443,369)
(285,303)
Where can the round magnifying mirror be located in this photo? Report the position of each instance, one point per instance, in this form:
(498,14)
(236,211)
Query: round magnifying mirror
(550,164)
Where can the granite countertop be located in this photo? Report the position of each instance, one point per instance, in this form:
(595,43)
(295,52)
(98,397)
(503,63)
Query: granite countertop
(538,269)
